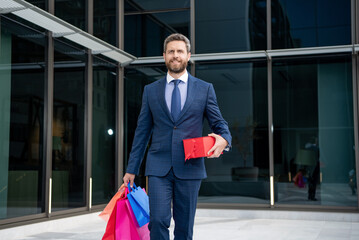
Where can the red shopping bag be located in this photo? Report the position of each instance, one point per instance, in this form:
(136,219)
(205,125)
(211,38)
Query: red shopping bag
(110,227)
(198,147)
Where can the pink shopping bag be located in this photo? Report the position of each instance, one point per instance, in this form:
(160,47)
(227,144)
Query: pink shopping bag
(143,231)
(125,226)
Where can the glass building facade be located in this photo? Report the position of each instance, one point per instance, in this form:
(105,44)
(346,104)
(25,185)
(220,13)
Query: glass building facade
(285,74)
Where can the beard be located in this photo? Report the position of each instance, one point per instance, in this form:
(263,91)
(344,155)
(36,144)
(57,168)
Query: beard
(178,69)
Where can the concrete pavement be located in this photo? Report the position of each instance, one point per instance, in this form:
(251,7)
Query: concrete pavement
(211,224)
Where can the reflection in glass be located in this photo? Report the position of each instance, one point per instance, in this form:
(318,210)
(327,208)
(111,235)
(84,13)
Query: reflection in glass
(21,120)
(234,25)
(103,131)
(145,33)
(68,129)
(313,131)
(241,175)
(72,11)
(325,22)
(148,5)
(37,3)
(105,20)
(135,80)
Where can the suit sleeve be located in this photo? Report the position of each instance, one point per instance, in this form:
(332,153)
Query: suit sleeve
(215,120)
(142,135)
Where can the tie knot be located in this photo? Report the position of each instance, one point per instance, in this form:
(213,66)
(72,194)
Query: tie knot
(176,81)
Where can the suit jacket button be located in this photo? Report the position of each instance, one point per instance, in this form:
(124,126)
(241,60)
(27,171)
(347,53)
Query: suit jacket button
(174,127)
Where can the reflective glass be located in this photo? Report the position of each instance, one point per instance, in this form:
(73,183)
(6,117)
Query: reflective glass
(242,174)
(21,120)
(105,20)
(135,80)
(232,25)
(68,128)
(37,3)
(145,33)
(72,11)
(308,23)
(148,5)
(314,160)
(103,131)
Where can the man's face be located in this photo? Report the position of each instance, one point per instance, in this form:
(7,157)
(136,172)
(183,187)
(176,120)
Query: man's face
(176,56)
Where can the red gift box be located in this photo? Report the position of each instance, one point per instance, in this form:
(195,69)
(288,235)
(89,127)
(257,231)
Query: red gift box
(198,147)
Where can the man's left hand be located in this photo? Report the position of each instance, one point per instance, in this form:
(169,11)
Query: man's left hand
(218,147)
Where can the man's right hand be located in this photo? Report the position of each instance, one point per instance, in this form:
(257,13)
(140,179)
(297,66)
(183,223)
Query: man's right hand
(129,178)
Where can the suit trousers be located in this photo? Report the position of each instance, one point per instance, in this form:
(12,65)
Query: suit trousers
(183,194)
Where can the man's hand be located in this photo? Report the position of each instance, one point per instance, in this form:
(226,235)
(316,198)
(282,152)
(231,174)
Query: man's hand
(129,178)
(218,147)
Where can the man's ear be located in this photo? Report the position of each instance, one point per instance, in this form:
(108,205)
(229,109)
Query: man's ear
(189,56)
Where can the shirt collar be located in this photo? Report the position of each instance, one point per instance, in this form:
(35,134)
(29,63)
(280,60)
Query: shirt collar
(183,78)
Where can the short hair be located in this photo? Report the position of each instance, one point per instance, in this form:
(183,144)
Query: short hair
(177,37)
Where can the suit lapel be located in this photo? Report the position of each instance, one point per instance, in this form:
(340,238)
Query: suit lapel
(161,95)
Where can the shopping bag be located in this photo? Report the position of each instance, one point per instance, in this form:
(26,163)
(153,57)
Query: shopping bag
(143,231)
(110,227)
(198,147)
(125,226)
(139,203)
(105,214)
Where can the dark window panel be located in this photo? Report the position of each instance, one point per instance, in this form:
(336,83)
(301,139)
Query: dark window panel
(68,161)
(21,123)
(145,5)
(38,3)
(72,11)
(230,26)
(145,33)
(105,20)
(243,173)
(103,132)
(324,23)
(313,131)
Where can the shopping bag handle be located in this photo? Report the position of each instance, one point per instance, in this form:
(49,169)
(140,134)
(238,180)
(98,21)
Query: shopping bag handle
(131,188)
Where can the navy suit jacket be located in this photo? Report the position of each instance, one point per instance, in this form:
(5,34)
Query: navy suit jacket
(166,148)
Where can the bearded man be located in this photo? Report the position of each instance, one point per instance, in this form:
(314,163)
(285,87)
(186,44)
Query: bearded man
(173,109)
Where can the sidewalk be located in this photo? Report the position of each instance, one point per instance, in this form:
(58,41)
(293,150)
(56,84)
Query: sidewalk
(211,224)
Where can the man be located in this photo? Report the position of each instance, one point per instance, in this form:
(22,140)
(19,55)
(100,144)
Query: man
(173,109)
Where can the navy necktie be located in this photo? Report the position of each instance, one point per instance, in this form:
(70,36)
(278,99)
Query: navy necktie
(176,101)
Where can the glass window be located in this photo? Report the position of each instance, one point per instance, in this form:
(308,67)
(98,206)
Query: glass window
(105,20)
(148,5)
(314,162)
(232,25)
(241,175)
(103,131)
(145,33)
(21,120)
(37,3)
(325,22)
(68,128)
(72,11)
